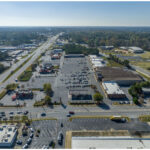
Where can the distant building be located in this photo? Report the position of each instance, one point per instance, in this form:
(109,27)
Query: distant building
(123,48)
(136,50)
(8,135)
(112,90)
(8,48)
(74,55)
(107,47)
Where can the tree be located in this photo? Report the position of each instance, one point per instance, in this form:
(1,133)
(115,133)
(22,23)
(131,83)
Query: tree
(135,100)
(48,100)
(98,97)
(47,89)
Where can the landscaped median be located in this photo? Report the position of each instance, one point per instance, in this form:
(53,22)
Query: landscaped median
(96,117)
(26,75)
(3,93)
(144,118)
(14,71)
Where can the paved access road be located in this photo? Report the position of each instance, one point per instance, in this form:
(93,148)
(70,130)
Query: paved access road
(34,55)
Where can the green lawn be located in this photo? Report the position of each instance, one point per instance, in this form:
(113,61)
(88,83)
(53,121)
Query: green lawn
(25,76)
(142,64)
(112,63)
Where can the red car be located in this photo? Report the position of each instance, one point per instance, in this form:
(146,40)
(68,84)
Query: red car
(71,112)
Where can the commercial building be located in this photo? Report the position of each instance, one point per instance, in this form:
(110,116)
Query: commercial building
(136,49)
(46,67)
(96,61)
(74,55)
(106,47)
(115,139)
(119,75)
(79,96)
(8,135)
(112,90)
(24,94)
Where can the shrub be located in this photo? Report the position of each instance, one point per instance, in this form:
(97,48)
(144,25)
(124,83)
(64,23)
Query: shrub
(98,97)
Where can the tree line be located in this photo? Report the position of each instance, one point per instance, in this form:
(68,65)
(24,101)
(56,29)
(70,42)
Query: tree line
(107,37)
(118,60)
(18,36)
(78,49)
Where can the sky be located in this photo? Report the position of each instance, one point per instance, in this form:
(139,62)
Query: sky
(74,13)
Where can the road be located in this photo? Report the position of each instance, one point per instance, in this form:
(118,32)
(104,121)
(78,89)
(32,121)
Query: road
(34,55)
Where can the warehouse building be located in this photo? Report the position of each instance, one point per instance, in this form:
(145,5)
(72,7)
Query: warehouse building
(112,90)
(136,49)
(105,139)
(74,55)
(8,135)
(119,75)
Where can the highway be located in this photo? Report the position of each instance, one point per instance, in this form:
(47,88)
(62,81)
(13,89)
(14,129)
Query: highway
(34,55)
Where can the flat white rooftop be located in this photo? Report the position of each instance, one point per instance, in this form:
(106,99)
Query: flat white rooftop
(7,133)
(112,87)
(110,142)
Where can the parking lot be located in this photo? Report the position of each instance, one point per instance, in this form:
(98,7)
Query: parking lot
(49,129)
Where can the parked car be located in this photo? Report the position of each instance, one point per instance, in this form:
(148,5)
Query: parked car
(31,135)
(11,113)
(43,114)
(19,142)
(29,141)
(60,138)
(68,115)
(26,112)
(25,146)
(32,130)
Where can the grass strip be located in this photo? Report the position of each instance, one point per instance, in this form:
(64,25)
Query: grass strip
(3,93)
(144,118)
(95,117)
